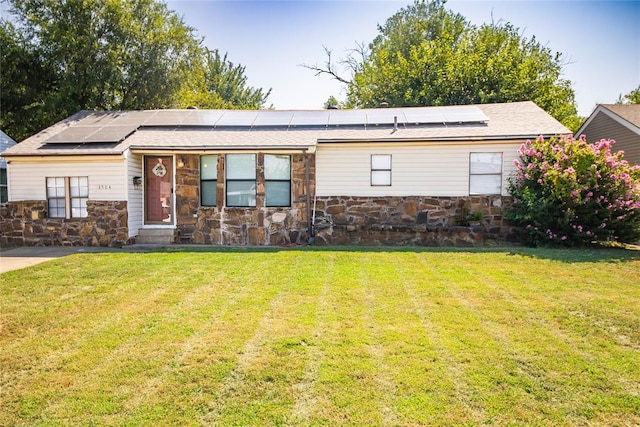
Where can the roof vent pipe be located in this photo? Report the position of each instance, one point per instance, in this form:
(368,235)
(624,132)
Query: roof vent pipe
(395,123)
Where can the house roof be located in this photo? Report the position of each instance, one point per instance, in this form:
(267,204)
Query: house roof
(6,142)
(93,133)
(628,115)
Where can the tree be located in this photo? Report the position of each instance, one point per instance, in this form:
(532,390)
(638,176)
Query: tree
(331,103)
(24,82)
(111,55)
(224,85)
(632,97)
(572,193)
(428,55)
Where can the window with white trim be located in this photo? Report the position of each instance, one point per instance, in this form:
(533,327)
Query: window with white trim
(381,169)
(240,180)
(277,180)
(67,197)
(208,179)
(4,194)
(485,173)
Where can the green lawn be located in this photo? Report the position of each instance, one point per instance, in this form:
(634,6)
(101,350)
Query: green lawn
(323,337)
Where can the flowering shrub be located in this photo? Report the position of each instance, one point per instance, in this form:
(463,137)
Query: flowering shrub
(569,192)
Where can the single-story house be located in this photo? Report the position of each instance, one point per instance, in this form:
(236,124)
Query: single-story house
(619,122)
(269,177)
(6,142)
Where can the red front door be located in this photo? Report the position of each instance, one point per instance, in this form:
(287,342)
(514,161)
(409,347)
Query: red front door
(158,189)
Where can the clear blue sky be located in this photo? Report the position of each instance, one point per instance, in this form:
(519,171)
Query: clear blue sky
(599,39)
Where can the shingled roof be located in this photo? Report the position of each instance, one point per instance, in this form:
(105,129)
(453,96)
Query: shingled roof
(265,130)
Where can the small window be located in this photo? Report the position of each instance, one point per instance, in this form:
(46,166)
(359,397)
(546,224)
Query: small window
(208,180)
(381,169)
(4,194)
(241,180)
(67,197)
(485,173)
(277,180)
(79,194)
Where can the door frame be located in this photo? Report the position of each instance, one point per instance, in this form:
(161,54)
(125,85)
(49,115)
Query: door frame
(156,224)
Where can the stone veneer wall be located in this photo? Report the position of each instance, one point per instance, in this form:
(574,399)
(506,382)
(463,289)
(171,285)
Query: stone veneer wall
(220,225)
(414,220)
(26,224)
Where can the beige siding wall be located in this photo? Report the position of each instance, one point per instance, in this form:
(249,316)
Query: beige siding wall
(107,176)
(135,194)
(604,127)
(427,169)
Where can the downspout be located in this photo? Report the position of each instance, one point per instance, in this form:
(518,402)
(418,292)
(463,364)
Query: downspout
(308,191)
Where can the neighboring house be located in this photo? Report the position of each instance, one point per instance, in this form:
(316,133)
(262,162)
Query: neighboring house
(5,142)
(231,177)
(620,122)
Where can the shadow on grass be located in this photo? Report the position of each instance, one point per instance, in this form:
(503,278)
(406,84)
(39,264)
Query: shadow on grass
(595,254)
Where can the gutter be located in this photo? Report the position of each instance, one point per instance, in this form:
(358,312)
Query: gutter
(184,149)
(437,139)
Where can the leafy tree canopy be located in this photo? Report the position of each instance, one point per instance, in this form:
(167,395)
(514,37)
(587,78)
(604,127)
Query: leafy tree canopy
(632,97)
(225,85)
(66,56)
(427,55)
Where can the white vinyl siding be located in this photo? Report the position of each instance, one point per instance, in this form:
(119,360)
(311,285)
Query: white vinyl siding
(135,194)
(106,177)
(427,169)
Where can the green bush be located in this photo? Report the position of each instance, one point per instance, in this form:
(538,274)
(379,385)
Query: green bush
(569,192)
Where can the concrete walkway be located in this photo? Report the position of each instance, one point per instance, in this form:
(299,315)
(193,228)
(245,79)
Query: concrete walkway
(17,258)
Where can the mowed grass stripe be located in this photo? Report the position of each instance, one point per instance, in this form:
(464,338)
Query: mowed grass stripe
(574,357)
(413,373)
(302,337)
(263,383)
(219,347)
(592,371)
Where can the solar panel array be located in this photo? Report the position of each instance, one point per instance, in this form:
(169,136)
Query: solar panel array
(114,127)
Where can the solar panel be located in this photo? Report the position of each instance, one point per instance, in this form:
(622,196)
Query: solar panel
(99,118)
(424,115)
(385,116)
(167,118)
(132,118)
(202,117)
(310,118)
(111,134)
(463,114)
(273,118)
(238,118)
(72,135)
(347,117)
(113,127)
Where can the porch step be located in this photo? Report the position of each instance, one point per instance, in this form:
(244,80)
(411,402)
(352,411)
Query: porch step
(157,236)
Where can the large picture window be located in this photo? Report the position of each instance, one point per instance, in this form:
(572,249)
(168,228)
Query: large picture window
(485,173)
(381,169)
(240,180)
(277,180)
(67,197)
(208,180)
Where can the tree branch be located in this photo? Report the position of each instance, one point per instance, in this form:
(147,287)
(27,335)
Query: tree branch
(329,68)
